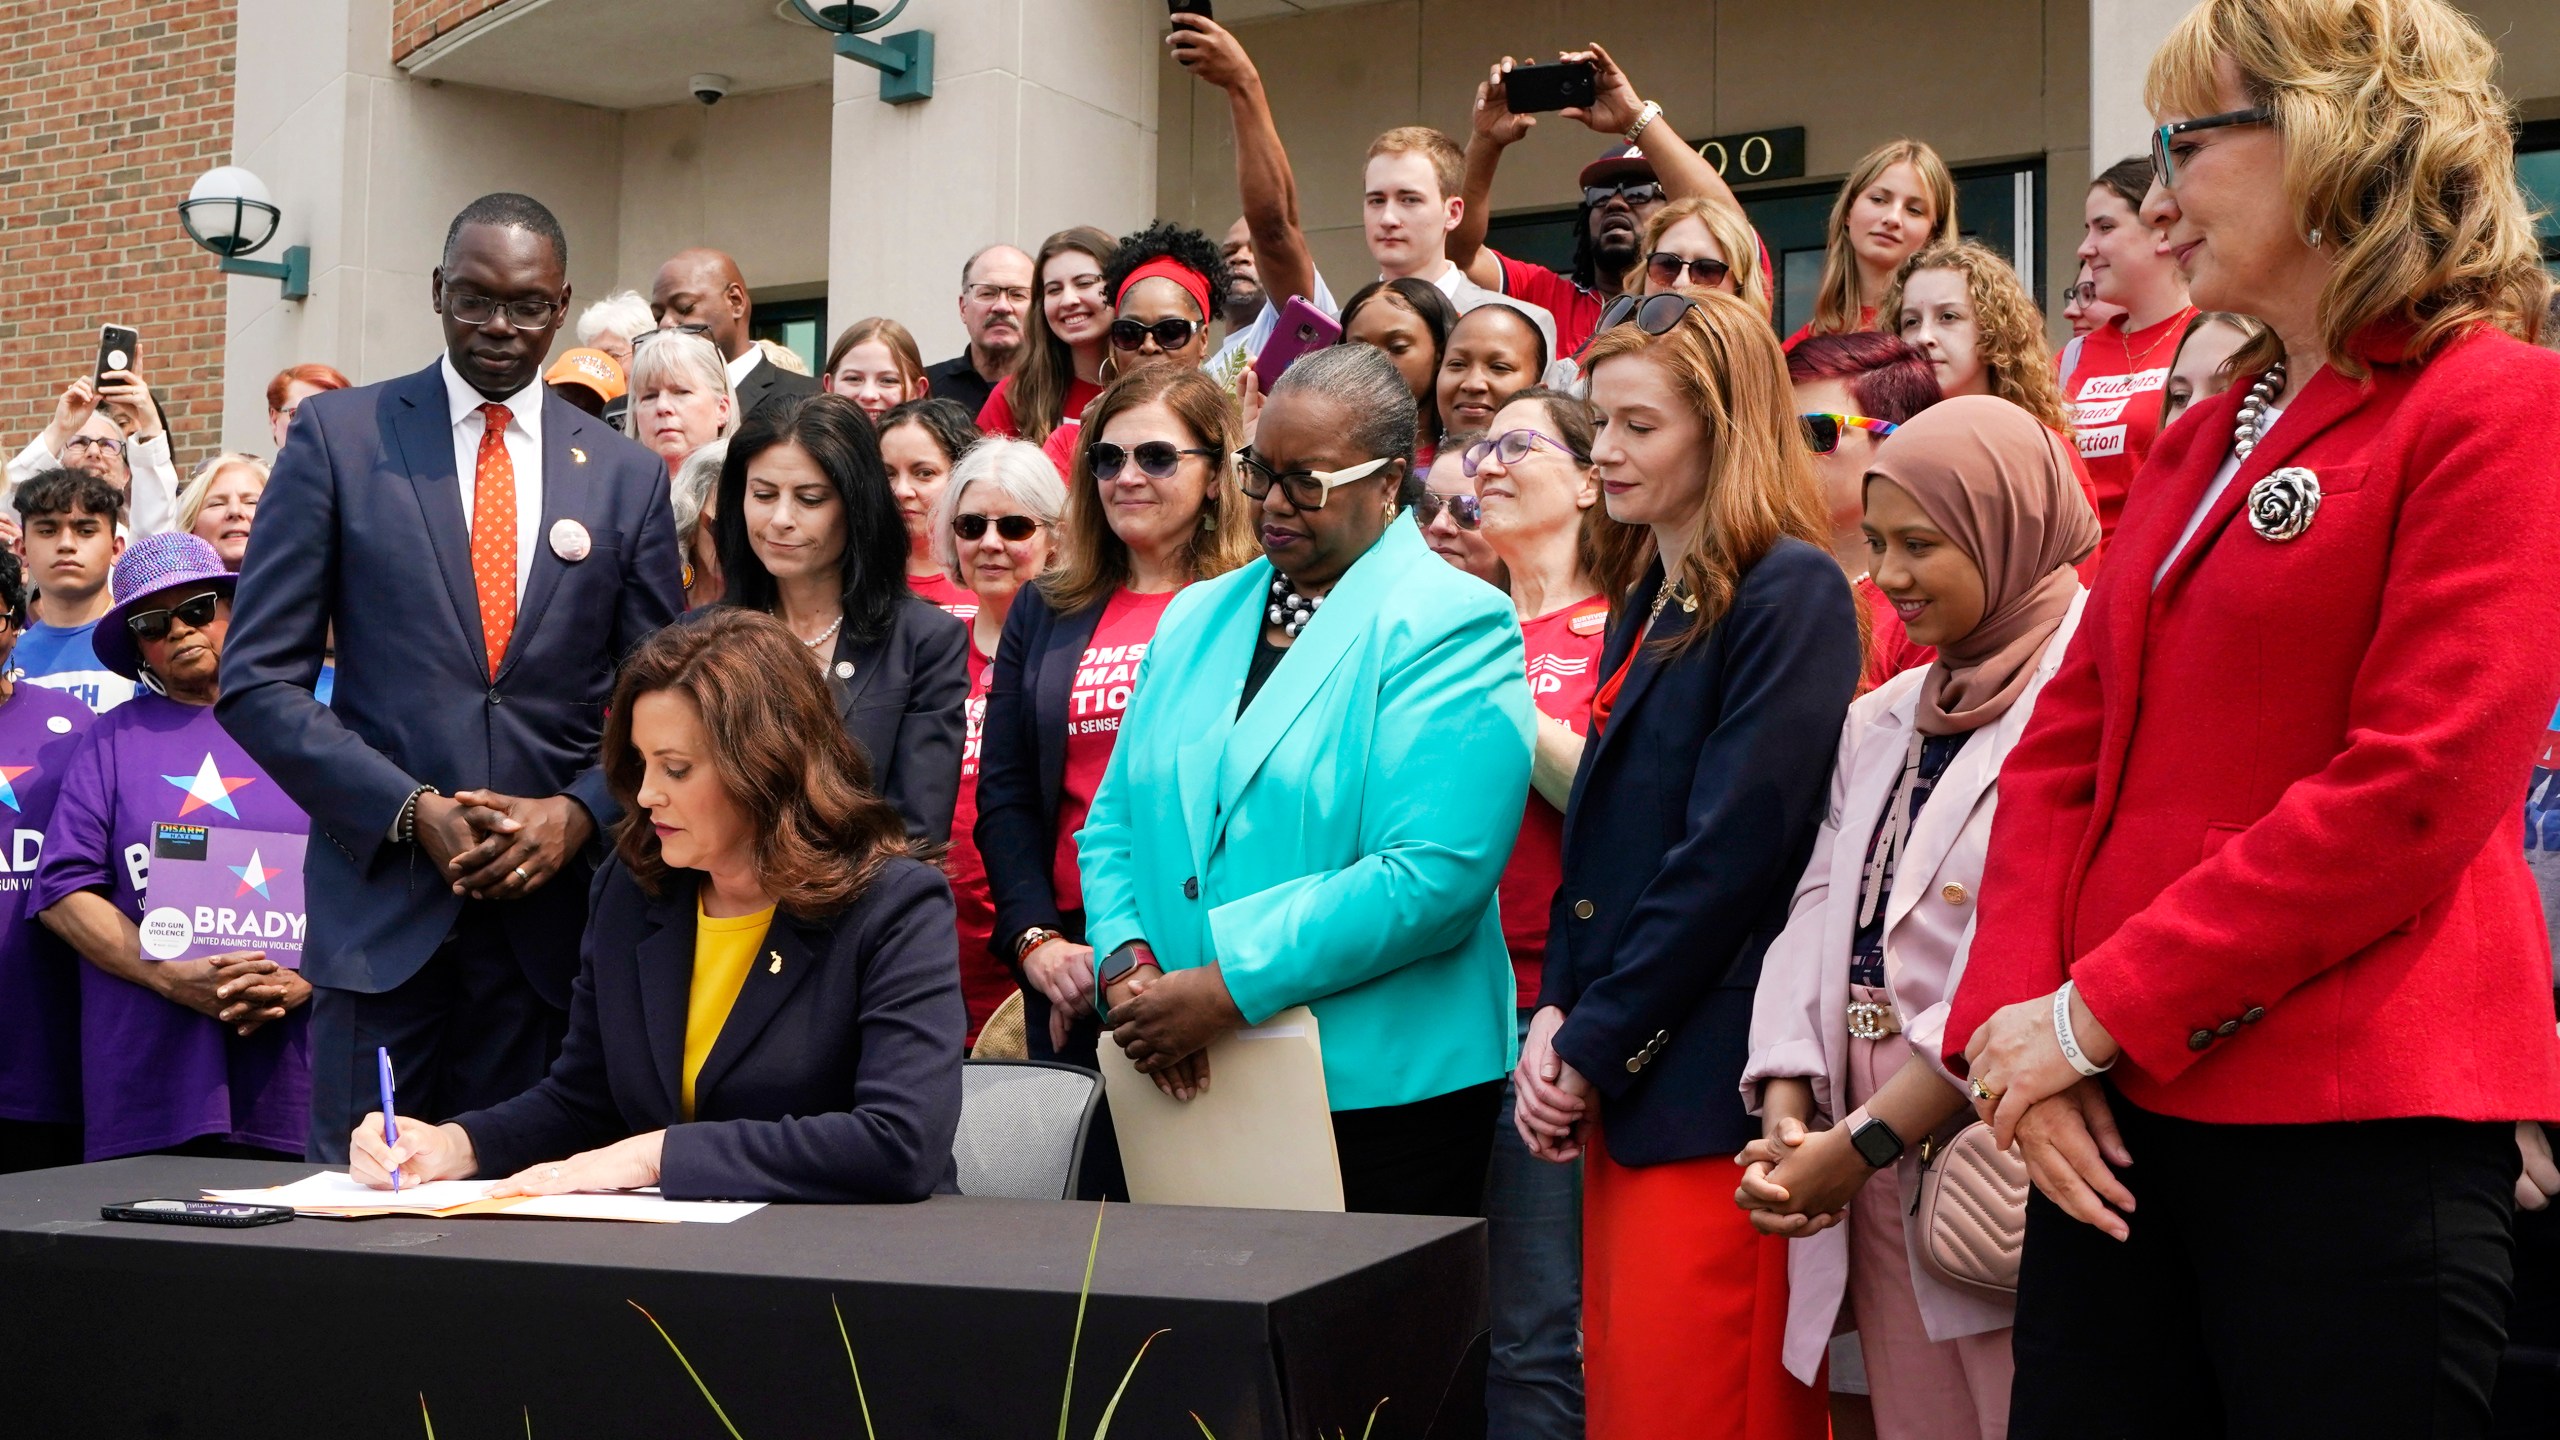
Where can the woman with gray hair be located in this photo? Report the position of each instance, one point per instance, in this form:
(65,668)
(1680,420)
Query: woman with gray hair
(693,498)
(615,324)
(681,399)
(1346,723)
(994,531)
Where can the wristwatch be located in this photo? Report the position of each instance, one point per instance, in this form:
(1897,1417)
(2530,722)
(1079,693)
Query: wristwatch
(1117,965)
(1875,1141)
(1032,939)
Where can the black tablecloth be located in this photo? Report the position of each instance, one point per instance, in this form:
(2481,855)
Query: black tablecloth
(959,1311)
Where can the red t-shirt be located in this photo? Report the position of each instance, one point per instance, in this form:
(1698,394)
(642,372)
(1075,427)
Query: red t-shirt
(1564,669)
(937,588)
(2114,400)
(996,416)
(984,981)
(1576,308)
(1104,676)
(1866,321)
(1893,651)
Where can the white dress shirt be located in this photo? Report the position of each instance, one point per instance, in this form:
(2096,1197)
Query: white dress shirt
(523,440)
(740,367)
(151,502)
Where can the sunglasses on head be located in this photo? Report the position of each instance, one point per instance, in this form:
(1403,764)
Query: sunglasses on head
(1634,192)
(1666,269)
(1822,429)
(1171,334)
(1157,459)
(691,328)
(1016,528)
(1465,511)
(2164,159)
(1653,314)
(197,611)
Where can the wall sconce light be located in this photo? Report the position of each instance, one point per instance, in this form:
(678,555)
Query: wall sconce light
(228,212)
(905,60)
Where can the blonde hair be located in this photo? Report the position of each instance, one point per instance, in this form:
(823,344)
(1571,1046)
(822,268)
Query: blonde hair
(1733,235)
(200,485)
(1091,559)
(2397,150)
(1725,361)
(2008,327)
(783,356)
(893,337)
(673,352)
(1448,162)
(1836,302)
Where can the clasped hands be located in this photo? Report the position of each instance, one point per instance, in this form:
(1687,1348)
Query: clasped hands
(1551,1101)
(490,846)
(240,988)
(1165,1022)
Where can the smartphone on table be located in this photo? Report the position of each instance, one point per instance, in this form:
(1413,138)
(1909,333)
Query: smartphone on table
(219,1214)
(1559,85)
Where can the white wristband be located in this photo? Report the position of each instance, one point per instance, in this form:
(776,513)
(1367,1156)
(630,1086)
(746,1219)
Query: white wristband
(2070,1044)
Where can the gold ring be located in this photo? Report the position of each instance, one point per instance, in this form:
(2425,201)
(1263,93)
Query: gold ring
(1982,1091)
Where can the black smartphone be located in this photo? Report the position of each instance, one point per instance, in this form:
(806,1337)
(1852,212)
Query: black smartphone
(220,1214)
(1530,88)
(116,347)
(1189,7)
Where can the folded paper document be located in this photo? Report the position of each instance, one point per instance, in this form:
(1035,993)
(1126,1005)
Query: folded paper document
(330,1194)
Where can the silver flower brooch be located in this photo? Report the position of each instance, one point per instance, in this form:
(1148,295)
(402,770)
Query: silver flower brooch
(2282,505)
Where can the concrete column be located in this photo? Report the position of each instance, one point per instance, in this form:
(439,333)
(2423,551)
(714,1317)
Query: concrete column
(1043,116)
(2122,36)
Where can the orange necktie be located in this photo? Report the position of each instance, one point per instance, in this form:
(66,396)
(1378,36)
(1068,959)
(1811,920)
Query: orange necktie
(493,534)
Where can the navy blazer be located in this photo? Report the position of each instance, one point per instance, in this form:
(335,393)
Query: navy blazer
(835,1078)
(768,381)
(1022,761)
(904,699)
(1692,816)
(363,529)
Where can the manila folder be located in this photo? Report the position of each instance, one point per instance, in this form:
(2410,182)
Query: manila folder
(1260,1137)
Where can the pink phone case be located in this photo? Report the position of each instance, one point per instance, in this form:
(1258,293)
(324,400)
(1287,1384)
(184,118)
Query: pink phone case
(1301,328)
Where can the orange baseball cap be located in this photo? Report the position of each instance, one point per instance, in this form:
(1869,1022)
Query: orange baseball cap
(591,368)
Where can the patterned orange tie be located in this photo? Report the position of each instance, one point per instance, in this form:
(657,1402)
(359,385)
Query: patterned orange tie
(493,534)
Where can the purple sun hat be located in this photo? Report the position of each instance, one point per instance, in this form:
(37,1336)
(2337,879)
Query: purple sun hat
(148,567)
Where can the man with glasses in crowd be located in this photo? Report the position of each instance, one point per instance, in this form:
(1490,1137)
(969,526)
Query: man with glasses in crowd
(701,292)
(486,553)
(995,293)
(115,432)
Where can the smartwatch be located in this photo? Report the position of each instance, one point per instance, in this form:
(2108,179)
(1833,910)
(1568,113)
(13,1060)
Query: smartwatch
(1875,1142)
(1115,968)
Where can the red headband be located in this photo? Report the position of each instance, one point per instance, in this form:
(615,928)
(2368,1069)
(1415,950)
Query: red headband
(1180,274)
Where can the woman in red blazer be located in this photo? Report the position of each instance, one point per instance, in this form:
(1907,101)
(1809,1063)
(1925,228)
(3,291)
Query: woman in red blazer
(2258,859)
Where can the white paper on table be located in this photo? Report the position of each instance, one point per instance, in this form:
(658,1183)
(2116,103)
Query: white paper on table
(334,1190)
(630,1205)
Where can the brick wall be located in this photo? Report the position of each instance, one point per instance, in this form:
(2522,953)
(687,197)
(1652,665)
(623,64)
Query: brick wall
(107,114)
(415,22)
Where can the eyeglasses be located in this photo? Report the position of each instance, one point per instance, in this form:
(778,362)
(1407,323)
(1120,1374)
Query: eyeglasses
(1666,270)
(1171,334)
(1634,192)
(2164,162)
(1157,459)
(1653,314)
(645,336)
(473,309)
(1465,511)
(1306,489)
(2086,292)
(196,610)
(1016,528)
(1513,446)
(100,443)
(990,294)
(1822,429)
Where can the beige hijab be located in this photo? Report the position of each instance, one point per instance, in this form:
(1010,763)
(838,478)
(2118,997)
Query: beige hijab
(2000,485)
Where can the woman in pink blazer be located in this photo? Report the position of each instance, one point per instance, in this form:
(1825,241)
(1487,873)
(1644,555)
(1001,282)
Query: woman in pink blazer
(1975,518)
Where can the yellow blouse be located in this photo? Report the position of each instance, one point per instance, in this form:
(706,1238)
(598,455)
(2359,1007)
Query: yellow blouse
(724,950)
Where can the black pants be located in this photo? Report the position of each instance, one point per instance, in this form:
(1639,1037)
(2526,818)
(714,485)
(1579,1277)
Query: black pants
(2281,1280)
(465,1032)
(1426,1158)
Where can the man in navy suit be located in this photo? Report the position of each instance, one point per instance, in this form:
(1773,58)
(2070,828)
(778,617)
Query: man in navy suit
(486,553)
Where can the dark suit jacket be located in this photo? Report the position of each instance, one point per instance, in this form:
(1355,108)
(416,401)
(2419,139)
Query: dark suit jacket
(1691,819)
(366,532)
(1022,760)
(836,1077)
(767,381)
(905,702)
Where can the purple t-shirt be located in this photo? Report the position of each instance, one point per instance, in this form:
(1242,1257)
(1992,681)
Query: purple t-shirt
(39,976)
(153,1073)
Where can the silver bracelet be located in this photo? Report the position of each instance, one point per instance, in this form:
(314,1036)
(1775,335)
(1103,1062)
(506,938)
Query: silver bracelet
(2070,1043)
(1651,112)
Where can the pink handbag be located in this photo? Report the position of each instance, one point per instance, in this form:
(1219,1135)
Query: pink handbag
(1973,1211)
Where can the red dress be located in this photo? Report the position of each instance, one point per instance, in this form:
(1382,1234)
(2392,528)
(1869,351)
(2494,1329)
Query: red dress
(984,981)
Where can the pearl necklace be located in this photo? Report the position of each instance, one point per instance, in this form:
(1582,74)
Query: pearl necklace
(2251,427)
(825,635)
(1290,610)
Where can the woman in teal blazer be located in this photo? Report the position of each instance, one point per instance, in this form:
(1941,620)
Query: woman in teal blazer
(1314,805)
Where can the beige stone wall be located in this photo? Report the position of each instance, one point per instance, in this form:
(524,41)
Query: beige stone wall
(747,176)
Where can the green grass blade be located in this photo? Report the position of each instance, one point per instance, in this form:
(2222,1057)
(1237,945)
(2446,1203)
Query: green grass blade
(858,1398)
(423,1415)
(1103,1429)
(688,1368)
(1204,1426)
(1373,1417)
(528,1422)
(1084,1293)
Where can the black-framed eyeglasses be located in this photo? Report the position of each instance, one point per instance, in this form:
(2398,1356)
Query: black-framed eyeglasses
(990,294)
(1016,528)
(691,328)
(196,610)
(1172,333)
(1512,446)
(2164,160)
(1465,511)
(1653,314)
(1669,271)
(104,445)
(473,309)
(2086,292)
(1157,459)
(1306,489)
(1822,429)
(1634,192)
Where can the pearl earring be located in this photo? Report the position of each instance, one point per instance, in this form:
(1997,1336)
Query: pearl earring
(2313,237)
